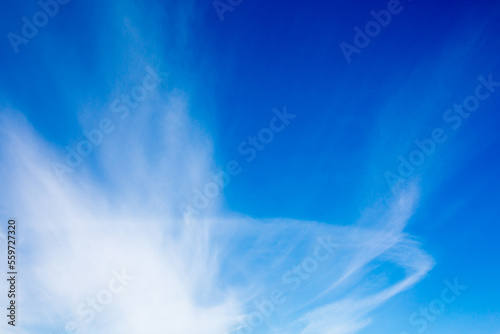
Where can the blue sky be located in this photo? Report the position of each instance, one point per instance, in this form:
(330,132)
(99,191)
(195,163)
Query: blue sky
(213,85)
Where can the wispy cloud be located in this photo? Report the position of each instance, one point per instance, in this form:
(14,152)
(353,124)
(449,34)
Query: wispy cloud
(199,278)
(119,210)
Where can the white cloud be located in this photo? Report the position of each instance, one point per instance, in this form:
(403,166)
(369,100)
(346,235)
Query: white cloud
(199,278)
(119,209)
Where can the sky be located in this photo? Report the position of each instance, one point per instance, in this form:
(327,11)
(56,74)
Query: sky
(236,166)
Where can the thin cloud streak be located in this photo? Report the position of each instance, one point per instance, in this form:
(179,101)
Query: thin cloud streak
(119,209)
(199,278)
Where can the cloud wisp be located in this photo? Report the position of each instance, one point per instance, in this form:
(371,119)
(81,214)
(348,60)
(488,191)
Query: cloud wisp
(116,219)
(203,277)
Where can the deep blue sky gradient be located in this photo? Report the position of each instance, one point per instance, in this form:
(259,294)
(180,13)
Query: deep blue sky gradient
(353,120)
